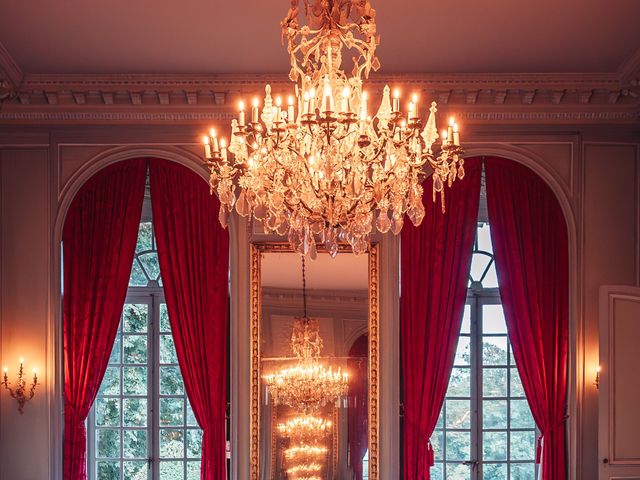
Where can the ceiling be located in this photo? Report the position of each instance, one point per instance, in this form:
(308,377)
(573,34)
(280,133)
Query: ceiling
(214,36)
(344,272)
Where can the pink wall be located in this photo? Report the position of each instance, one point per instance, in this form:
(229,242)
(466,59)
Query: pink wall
(596,176)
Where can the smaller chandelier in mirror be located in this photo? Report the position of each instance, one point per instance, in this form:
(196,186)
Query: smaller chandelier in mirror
(305,427)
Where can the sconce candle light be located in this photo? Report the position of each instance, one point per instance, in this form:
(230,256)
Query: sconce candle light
(19,391)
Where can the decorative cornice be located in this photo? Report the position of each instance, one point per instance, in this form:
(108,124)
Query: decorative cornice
(545,98)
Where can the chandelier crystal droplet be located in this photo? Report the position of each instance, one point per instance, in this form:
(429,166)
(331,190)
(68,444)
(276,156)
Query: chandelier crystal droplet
(324,167)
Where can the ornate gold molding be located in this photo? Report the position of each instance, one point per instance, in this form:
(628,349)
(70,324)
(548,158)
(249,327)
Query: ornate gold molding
(257,249)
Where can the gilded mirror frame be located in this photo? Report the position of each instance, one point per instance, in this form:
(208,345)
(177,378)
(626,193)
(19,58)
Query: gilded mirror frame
(257,250)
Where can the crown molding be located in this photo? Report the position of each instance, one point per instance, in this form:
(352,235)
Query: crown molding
(531,98)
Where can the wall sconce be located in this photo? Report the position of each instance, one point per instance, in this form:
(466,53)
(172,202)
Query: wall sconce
(19,391)
(597,380)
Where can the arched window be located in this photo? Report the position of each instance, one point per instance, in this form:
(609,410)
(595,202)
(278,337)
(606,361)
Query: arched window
(485,429)
(141,426)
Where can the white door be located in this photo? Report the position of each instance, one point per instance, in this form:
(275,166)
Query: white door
(619,401)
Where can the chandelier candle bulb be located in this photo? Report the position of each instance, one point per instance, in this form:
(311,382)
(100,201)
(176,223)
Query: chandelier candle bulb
(290,110)
(214,141)
(346,93)
(278,109)
(445,137)
(223,144)
(414,100)
(396,101)
(241,115)
(450,130)
(207,147)
(456,135)
(254,111)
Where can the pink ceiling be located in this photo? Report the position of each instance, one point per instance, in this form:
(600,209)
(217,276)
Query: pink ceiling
(215,36)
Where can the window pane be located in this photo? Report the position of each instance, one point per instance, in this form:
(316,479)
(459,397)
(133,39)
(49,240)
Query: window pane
(484,238)
(479,263)
(436,443)
(494,350)
(137,278)
(466,320)
(193,470)
(458,414)
(107,443)
(459,383)
(115,351)
(191,418)
(135,318)
(171,381)
(167,349)
(135,380)
(108,470)
(456,471)
(135,349)
(458,446)
(521,415)
(108,412)
(523,445)
(194,443)
(494,382)
(164,318)
(494,471)
(111,382)
(494,414)
(171,443)
(135,471)
(436,471)
(135,444)
(494,446)
(171,470)
(135,412)
(145,233)
(517,389)
(171,411)
(463,352)
(150,264)
(493,319)
(523,471)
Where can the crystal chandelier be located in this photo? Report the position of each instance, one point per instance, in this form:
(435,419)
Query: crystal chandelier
(305,427)
(324,167)
(308,385)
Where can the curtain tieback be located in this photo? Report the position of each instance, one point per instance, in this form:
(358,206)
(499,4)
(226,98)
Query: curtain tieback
(421,432)
(542,434)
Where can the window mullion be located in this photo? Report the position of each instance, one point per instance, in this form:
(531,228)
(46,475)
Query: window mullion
(154,403)
(476,386)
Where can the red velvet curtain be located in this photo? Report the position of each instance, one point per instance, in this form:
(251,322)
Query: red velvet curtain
(99,240)
(193,251)
(358,413)
(529,236)
(436,257)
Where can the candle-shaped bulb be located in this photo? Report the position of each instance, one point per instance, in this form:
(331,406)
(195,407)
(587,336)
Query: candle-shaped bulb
(444,136)
(212,133)
(256,102)
(5,369)
(205,140)
(312,93)
(223,143)
(290,100)
(452,122)
(21,360)
(346,92)
(396,101)
(456,135)
(241,105)
(414,98)
(598,369)
(278,102)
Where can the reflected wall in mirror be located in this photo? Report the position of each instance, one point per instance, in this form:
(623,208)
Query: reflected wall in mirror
(314,346)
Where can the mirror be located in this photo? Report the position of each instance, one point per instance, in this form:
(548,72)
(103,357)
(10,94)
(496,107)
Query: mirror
(314,378)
